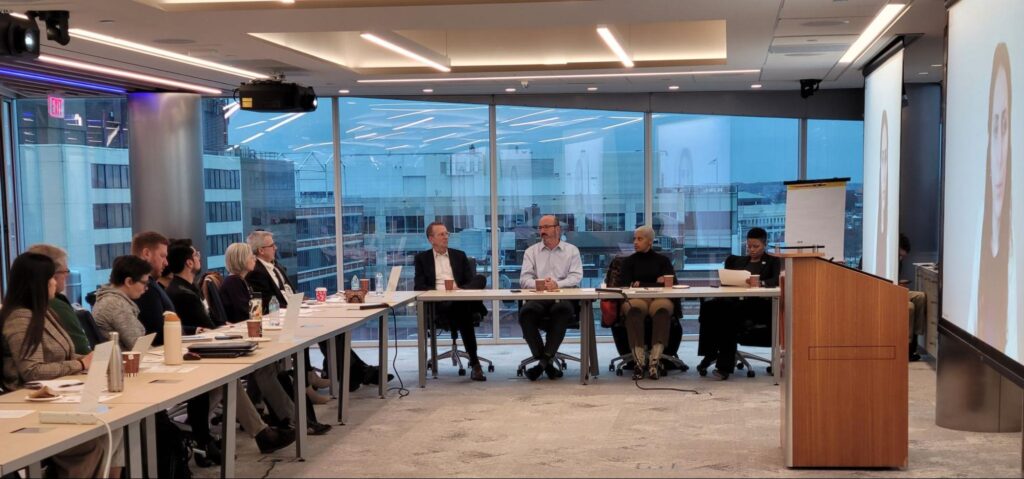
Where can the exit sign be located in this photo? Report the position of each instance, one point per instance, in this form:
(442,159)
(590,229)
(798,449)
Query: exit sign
(56,106)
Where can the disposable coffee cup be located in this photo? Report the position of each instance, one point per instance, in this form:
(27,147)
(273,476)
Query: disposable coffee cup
(255,328)
(364,284)
(321,295)
(131,360)
(668,280)
(449,284)
(540,285)
(757,280)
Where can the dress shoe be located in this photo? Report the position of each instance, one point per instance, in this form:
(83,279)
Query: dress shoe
(316,397)
(638,372)
(314,428)
(652,371)
(314,379)
(552,370)
(704,364)
(271,439)
(477,373)
(210,455)
(914,357)
(371,375)
(720,375)
(533,373)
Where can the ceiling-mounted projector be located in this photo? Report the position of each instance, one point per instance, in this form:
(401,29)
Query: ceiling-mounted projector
(275,96)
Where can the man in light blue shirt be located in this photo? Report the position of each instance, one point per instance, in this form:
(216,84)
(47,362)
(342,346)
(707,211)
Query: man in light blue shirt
(548,265)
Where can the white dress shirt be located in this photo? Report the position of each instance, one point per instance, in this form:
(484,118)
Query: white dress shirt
(442,269)
(561,263)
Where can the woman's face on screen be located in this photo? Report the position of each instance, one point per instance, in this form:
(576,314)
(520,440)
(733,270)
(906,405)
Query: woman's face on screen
(999,140)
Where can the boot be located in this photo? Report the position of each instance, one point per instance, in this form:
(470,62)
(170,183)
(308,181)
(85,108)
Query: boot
(638,358)
(652,368)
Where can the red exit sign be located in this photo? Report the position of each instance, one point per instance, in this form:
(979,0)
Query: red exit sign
(56,106)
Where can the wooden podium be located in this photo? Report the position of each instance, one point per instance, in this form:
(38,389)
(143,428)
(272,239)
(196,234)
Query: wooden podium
(844,342)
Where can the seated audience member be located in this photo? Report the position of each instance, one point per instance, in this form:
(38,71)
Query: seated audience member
(440,263)
(612,279)
(646,268)
(235,294)
(553,264)
(115,309)
(916,305)
(269,279)
(152,248)
(722,318)
(60,303)
(37,348)
(184,263)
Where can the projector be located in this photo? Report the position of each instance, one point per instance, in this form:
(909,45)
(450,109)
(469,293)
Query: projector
(276,96)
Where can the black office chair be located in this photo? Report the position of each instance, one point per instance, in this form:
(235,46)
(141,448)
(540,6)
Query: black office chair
(561,359)
(217,312)
(88,324)
(756,331)
(456,354)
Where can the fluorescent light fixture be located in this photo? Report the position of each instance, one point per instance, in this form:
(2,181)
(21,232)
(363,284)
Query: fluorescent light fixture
(399,147)
(535,122)
(417,122)
(251,124)
(285,122)
(428,90)
(561,77)
(360,127)
(756,86)
(253,137)
(627,122)
(440,137)
(229,106)
(403,115)
(549,140)
(343,92)
(613,43)
(407,48)
(460,145)
(591,88)
(876,28)
(234,107)
(165,54)
(673,87)
(510,90)
(91,67)
(365,136)
(527,115)
(61,81)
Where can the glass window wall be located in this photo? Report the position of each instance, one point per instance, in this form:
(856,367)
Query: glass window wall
(835,149)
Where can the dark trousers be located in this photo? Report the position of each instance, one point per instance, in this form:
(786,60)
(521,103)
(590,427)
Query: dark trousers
(722,322)
(199,418)
(551,316)
(457,317)
(357,368)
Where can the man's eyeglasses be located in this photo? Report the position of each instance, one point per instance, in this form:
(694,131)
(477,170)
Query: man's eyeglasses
(62,271)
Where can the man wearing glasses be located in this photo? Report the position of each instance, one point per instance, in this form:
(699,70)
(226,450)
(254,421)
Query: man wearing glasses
(548,265)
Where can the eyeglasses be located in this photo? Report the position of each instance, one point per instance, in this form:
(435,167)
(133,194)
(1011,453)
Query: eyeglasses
(62,271)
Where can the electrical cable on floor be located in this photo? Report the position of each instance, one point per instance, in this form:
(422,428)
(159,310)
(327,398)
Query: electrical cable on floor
(402,391)
(273,464)
(694,391)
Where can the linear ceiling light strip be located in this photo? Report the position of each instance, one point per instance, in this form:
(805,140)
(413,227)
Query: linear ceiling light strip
(127,74)
(560,77)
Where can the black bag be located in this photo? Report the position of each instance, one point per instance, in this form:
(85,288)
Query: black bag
(172,449)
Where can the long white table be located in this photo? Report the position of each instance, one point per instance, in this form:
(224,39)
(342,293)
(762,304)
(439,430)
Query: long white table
(588,339)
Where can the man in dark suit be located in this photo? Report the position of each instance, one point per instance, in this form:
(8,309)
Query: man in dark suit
(440,263)
(270,280)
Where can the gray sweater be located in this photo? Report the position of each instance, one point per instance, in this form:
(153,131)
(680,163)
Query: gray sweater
(116,312)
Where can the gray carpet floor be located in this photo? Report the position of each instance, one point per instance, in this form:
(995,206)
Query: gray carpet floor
(510,427)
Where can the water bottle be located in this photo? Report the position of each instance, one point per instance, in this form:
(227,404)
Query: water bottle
(172,339)
(378,284)
(355,283)
(274,312)
(115,370)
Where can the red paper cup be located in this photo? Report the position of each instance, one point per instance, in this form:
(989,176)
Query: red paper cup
(321,295)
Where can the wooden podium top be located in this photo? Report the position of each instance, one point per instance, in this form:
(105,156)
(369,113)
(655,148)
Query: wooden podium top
(799,255)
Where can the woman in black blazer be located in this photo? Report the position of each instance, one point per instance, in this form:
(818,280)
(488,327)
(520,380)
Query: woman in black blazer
(721,319)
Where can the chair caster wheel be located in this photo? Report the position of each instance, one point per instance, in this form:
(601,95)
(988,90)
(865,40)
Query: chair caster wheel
(519,372)
(611,368)
(739,366)
(751,373)
(462,372)
(769,371)
(618,372)
(490,368)
(702,371)
(565,366)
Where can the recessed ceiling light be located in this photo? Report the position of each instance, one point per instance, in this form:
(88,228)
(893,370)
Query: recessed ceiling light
(613,44)
(428,90)
(343,92)
(561,77)
(591,88)
(673,87)
(922,73)
(756,85)
(510,90)
(936,65)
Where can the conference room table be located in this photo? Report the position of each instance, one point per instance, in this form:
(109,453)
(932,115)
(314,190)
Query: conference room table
(158,387)
(589,367)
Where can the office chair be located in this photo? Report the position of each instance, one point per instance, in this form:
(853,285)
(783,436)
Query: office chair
(212,296)
(88,324)
(456,354)
(561,359)
(756,331)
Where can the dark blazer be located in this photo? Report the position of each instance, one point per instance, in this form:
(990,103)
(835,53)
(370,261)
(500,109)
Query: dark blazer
(188,303)
(152,305)
(462,270)
(770,267)
(260,281)
(235,295)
